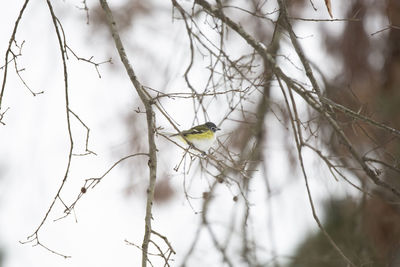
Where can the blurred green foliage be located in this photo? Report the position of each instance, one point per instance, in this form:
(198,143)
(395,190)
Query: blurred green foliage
(344,223)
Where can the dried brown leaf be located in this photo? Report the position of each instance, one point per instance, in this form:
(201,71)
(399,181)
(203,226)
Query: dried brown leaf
(328,6)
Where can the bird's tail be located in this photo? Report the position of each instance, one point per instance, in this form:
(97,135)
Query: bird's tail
(169,134)
(172,135)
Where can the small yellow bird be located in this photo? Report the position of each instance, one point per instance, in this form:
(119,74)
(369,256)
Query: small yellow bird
(201,136)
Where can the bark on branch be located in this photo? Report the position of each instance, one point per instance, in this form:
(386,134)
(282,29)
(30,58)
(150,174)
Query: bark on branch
(147,102)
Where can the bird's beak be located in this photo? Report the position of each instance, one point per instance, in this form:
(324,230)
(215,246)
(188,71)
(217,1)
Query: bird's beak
(218,129)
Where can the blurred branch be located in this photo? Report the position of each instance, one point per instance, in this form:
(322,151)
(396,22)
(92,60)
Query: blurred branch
(389,27)
(85,8)
(358,116)
(392,167)
(206,204)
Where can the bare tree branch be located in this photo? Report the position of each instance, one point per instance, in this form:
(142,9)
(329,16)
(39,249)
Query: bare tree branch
(152,163)
(8,51)
(35,236)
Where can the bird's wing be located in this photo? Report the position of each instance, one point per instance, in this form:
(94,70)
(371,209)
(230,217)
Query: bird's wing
(195,130)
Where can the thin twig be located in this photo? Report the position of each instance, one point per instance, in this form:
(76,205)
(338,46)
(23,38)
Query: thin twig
(87,150)
(8,51)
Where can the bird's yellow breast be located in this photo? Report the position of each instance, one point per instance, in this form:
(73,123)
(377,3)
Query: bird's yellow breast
(208,135)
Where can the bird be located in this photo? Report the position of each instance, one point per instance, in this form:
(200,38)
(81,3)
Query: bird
(201,136)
